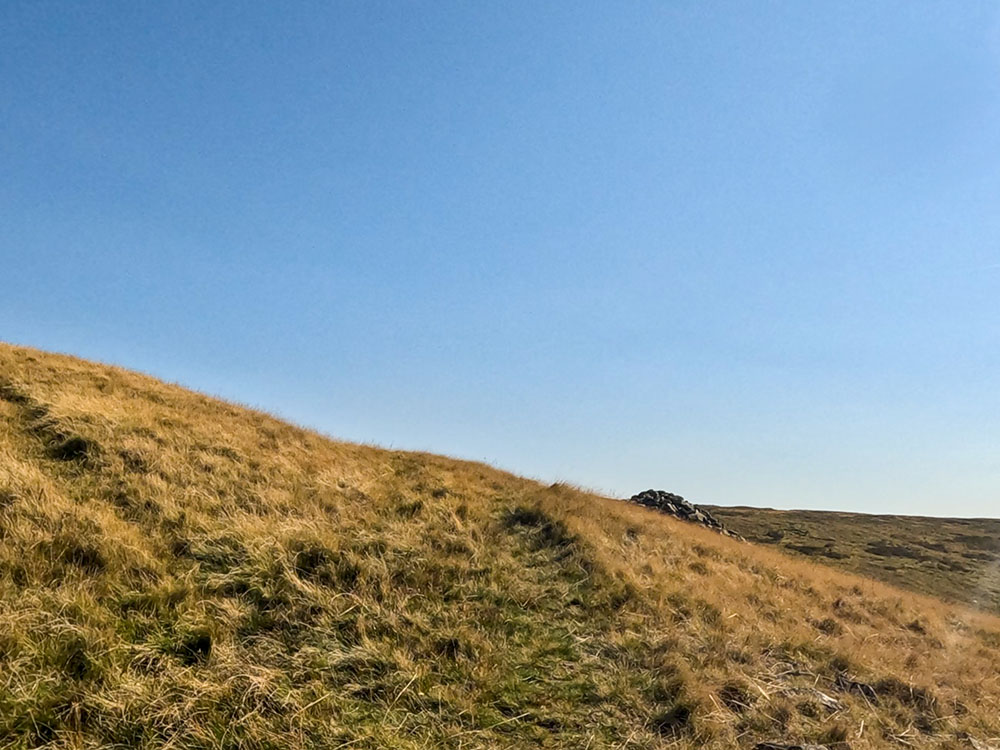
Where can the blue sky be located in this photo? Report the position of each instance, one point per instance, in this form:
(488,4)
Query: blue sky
(747,252)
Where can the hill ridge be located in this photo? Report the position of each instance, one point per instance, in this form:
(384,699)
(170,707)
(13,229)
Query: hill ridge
(176,571)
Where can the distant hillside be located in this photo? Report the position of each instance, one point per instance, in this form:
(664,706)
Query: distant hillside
(178,572)
(954,558)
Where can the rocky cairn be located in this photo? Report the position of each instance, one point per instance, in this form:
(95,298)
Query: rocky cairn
(678,507)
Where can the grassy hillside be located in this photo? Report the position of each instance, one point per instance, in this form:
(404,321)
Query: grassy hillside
(954,558)
(180,572)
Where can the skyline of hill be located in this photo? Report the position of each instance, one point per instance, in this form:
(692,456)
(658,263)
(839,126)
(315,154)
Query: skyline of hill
(177,571)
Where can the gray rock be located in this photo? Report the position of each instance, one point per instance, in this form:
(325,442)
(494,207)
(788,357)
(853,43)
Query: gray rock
(678,507)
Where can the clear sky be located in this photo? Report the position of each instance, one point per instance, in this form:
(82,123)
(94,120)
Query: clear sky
(747,252)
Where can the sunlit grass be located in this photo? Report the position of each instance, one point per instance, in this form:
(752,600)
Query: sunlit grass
(180,572)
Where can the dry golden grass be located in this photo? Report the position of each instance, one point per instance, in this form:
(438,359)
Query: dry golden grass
(180,572)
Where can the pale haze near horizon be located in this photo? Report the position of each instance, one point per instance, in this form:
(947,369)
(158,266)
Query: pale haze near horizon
(747,253)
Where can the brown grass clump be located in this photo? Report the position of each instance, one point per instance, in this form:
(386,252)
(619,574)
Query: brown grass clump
(180,572)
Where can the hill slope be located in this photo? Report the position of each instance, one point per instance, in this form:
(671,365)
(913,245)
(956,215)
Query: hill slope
(180,572)
(953,558)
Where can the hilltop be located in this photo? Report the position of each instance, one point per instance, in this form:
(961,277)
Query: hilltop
(176,571)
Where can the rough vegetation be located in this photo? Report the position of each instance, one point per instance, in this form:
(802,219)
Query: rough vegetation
(953,558)
(180,572)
